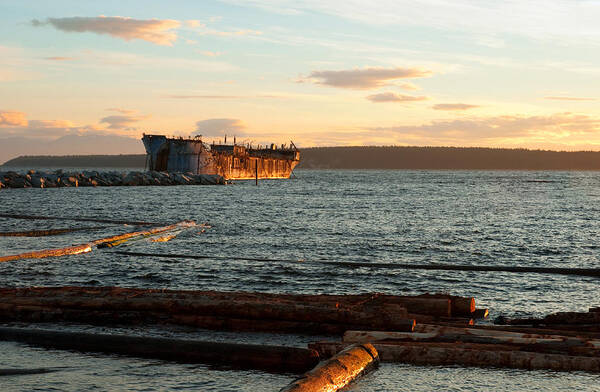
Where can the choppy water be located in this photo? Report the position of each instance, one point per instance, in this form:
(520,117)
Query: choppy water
(474,217)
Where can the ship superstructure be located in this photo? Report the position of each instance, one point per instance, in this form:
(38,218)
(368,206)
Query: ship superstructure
(232,161)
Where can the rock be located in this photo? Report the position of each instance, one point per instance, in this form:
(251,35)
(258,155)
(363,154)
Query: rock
(38,182)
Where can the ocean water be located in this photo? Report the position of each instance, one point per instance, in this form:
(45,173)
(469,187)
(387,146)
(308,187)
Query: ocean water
(521,218)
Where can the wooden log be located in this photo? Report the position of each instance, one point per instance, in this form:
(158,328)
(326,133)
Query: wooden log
(596,309)
(571,331)
(49,232)
(468,335)
(79,219)
(251,356)
(481,313)
(70,250)
(460,306)
(337,372)
(19,372)
(119,239)
(480,355)
(252,310)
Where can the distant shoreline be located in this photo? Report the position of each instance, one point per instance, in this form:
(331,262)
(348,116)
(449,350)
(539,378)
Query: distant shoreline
(376,158)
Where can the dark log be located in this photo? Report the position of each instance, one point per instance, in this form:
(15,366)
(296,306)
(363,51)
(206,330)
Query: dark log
(480,355)
(339,371)
(49,232)
(249,356)
(482,313)
(19,372)
(79,219)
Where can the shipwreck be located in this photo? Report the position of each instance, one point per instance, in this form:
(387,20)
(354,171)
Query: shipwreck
(231,161)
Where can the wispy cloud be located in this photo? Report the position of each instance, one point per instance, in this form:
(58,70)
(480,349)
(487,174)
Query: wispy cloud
(125,121)
(266,96)
(477,129)
(453,106)
(219,127)
(394,97)
(157,31)
(229,33)
(121,110)
(540,19)
(569,99)
(363,78)
(59,58)
(12,118)
(208,53)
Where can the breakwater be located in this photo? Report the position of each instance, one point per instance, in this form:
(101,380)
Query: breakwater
(59,178)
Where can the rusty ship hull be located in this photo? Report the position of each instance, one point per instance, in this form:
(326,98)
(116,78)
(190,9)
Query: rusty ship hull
(231,161)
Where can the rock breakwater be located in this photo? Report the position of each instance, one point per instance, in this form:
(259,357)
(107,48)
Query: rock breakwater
(59,178)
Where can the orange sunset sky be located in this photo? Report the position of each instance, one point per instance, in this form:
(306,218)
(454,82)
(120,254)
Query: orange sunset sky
(82,77)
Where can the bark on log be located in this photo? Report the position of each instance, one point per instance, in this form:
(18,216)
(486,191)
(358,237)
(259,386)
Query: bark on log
(270,358)
(479,355)
(71,250)
(339,371)
(526,342)
(481,313)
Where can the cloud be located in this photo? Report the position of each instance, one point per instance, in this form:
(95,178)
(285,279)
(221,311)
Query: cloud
(194,23)
(208,53)
(575,22)
(477,129)
(267,96)
(120,110)
(14,119)
(569,99)
(409,86)
(157,31)
(219,127)
(230,33)
(393,97)
(365,78)
(122,121)
(59,58)
(453,106)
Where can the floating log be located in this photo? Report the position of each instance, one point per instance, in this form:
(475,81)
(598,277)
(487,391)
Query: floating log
(119,239)
(480,355)
(79,219)
(559,318)
(597,309)
(250,356)
(339,371)
(103,242)
(594,272)
(482,313)
(216,310)
(469,335)
(20,372)
(70,250)
(45,233)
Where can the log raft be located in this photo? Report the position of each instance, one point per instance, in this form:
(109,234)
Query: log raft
(247,356)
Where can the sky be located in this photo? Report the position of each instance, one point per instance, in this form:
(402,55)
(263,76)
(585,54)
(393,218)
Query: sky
(83,77)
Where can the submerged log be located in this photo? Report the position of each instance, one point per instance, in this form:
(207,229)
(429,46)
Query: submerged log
(20,372)
(251,356)
(339,371)
(480,355)
(79,219)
